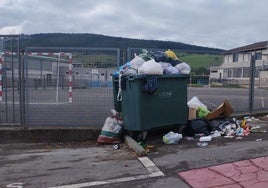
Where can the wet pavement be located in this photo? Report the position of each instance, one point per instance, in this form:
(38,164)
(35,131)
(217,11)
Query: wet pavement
(224,162)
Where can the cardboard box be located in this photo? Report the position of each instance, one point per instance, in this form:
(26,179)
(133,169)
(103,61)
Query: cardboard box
(224,110)
(192,113)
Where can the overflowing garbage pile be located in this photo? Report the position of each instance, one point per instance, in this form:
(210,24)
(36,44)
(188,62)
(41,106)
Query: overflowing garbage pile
(205,125)
(154,63)
(151,65)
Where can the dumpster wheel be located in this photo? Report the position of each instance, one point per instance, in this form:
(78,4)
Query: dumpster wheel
(139,136)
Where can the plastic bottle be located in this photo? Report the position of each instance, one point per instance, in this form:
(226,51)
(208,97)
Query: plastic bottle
(202,144)
(205,138)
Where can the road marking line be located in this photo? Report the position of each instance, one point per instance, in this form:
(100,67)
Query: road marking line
(151,167)
(147,163)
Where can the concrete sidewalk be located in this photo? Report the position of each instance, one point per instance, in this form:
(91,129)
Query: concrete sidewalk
(224,162)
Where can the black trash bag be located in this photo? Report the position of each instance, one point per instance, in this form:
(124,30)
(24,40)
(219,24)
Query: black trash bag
(175,62)
(197,126)
(151,85)
(160,56)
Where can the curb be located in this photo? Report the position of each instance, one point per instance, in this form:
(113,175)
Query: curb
(140,151)
(48,135)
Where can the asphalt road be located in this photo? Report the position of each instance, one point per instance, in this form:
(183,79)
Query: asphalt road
(75,165)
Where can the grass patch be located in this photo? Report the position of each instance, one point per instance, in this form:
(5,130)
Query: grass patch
(195,85)
(197,60)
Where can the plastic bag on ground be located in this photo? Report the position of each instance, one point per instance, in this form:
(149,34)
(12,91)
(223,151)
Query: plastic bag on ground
(172,138)
(202,112)
(197,126)
(112,129)
(196,103)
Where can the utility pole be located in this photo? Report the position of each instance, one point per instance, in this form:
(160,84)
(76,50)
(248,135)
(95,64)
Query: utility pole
(252,82)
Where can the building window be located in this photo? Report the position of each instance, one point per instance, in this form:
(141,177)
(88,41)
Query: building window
(246,72)
(237,72)
(235,57)
(257,72)
(258,56)
(227,73)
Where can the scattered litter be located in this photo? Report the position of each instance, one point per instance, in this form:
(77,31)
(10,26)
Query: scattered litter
(205,138)
(149,147)
(142,144)
(117,146)
(229,136)
(251,118)
(112,129)
(216,134)
(239,138)
(198,135)
(188,138)
(258,140)
(222,111)
(172,138)
(257,129)
(201,144)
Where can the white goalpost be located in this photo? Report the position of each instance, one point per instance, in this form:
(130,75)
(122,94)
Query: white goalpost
(59,57)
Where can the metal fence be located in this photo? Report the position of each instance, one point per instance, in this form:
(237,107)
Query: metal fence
(72,87)
(69,86)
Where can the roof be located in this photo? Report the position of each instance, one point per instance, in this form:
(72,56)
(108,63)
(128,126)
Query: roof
(248,48)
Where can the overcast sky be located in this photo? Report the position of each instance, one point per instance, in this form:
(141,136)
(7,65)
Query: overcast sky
(222,24)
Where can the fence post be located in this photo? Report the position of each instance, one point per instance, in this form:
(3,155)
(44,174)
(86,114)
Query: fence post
(252,82)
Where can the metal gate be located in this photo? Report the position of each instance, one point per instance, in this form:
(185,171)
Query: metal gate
(11,89)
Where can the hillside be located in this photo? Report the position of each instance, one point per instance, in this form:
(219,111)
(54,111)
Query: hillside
(198,57)
(102,41)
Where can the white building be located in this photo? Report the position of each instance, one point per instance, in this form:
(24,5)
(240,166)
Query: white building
(235,68)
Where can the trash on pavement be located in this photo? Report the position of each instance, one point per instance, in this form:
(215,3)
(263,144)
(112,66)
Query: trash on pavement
(197,109)
(224,110)
(117,146)
(202,144)
(257,129)
(172,138)
(195,103)
(112,129)
(197,126)
(205,138)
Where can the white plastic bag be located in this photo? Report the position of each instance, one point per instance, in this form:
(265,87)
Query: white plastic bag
(184,68)
(150,68)
(172,138)
(195,103)
(136,62)
(171,70)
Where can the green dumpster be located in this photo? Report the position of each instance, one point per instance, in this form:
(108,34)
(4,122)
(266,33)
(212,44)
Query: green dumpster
(142,111)
(117,103)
